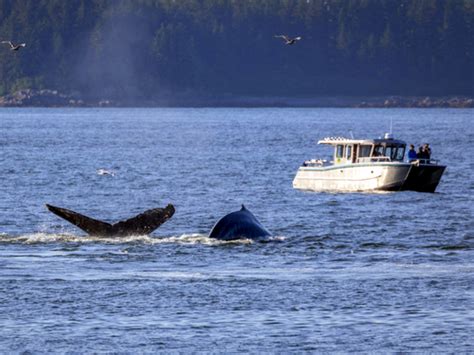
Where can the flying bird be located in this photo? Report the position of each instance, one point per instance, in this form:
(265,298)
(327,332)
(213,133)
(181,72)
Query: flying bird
(288,40)
(13,46)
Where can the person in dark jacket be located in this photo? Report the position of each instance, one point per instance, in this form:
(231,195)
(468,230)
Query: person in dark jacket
(427,151)
(423,155)
(420,153)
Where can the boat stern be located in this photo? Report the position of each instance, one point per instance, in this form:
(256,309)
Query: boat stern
(423,177)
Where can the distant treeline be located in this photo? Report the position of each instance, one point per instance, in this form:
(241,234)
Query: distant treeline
(146,49)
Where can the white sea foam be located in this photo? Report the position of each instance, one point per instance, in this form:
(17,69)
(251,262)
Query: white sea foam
(44,238)
(196,238)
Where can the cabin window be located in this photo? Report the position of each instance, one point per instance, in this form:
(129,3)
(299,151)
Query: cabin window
(348,152)
(378,151)
(339,151)
(395,153)
(364,151)
(400,153)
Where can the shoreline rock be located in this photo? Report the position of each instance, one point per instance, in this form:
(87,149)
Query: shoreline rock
(48,98)
(420,102)
(54,98)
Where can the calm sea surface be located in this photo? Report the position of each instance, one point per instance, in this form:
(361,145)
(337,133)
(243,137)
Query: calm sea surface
(345,272)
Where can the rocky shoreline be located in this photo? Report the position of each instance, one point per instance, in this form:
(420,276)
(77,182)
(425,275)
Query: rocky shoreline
(421,102)
(54,98)
(49,98)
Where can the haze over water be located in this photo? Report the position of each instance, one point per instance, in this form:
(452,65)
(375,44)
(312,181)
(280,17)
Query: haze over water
(345,272)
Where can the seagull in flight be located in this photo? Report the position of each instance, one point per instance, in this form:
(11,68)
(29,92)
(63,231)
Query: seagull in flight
(288,40)
(13,46)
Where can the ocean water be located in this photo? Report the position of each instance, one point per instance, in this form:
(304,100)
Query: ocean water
(386,272)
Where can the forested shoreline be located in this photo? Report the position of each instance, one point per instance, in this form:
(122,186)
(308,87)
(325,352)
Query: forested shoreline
(148,51)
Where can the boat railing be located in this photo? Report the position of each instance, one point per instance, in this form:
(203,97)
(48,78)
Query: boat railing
(388,159)
(315,162)
(380,159)
(373,159)
(425,161)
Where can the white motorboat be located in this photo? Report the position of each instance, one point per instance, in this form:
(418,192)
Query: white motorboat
(367,165)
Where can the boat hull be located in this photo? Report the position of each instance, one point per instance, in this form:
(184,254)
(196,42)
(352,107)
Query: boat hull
(423,178)
(369,177)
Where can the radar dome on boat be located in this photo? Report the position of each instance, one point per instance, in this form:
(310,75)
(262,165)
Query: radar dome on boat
(388,136)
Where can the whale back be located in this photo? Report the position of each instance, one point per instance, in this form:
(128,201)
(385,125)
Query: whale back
(239,225)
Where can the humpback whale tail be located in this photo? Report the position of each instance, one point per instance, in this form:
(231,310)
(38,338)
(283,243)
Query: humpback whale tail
(144,223)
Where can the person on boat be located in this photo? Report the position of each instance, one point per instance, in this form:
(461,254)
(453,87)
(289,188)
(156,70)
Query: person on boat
(423,155)
(420,153)
(427,151)
(412,156)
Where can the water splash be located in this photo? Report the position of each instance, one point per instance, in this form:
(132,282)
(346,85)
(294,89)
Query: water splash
(47,238)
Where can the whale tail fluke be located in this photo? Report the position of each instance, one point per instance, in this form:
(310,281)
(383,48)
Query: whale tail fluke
(89,225)
(144,223)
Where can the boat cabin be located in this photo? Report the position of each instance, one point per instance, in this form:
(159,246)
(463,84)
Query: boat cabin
(353,151)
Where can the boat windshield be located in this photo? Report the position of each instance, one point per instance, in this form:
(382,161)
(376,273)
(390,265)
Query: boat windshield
(378,151)
(394,152)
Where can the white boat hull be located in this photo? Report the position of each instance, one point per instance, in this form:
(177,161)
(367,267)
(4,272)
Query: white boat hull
(352,177)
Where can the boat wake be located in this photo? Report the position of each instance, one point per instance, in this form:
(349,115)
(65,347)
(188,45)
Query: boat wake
(195,238)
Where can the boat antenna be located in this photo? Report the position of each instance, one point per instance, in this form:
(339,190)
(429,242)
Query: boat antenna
(390,125)
(352,136)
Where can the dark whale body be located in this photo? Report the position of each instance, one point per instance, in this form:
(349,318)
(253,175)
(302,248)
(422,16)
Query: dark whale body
(239,225)
(236,225)
(142,224)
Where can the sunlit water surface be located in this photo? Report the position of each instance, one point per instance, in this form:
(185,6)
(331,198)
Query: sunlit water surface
(344,272)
